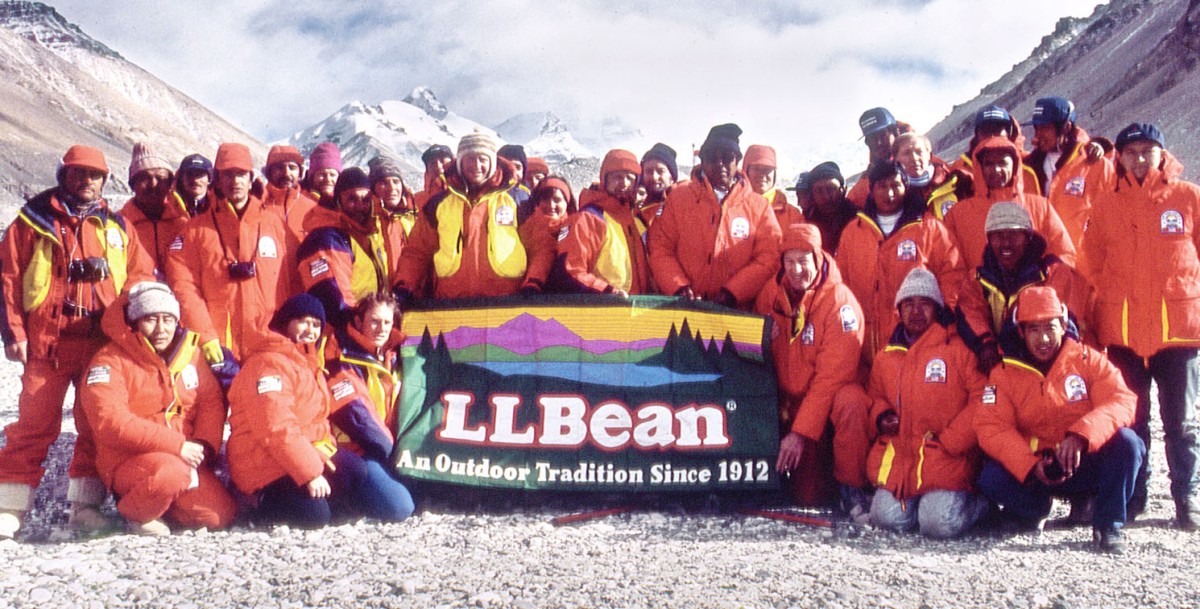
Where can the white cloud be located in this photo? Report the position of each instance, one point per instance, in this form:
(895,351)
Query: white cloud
(793,74)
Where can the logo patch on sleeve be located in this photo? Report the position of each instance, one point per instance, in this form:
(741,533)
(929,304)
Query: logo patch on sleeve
(99,374)
(989,394)
(318,267)
(176,244)
(1076,186)
(268,384)
(190,378)
(849,319)
(342,390)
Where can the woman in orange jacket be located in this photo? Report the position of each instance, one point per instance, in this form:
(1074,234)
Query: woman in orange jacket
(280,448)
(759,167)
(160,415)
(925,386)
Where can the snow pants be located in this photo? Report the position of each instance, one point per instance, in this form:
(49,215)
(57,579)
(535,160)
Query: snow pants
(153,485)
(359,487)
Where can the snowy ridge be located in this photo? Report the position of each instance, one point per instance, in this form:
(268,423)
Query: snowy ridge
(544,135)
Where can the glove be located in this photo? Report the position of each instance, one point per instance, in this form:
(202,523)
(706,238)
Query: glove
(725,298)
(213,353)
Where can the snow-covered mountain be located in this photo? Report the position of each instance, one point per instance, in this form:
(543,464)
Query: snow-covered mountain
(544,135)
(400,129)
(59,86)
(1130,61)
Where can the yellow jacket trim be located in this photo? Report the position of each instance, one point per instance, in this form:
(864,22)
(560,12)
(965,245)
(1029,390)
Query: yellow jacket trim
(614,263)
(885,467)
(506,253)
(38,274)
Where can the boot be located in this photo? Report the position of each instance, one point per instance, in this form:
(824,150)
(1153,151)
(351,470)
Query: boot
(10,521)
(154,528)
(89,520)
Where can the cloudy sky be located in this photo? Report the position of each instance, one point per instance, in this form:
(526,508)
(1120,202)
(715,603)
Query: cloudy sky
(793,73)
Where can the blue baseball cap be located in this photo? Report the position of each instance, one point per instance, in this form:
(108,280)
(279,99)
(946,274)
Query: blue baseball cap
(1140,132)
(1053,111)
(195,162)
(875,120)
(992,114)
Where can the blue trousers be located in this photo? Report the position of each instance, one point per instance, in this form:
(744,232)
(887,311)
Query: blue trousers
(359,487)
(1108,475)
(1176,373)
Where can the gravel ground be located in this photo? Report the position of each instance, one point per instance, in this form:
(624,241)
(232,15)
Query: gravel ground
(694,552)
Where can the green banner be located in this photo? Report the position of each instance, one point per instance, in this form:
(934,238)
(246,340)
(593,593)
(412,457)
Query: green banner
(587,393)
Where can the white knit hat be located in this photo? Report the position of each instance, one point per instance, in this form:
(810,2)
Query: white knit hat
(920,282)
(1007,215)
(144,159)
(477,143)
(149,298)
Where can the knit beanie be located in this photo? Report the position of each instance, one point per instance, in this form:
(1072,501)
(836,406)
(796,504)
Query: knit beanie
(722,138)
(233,156)
(325,156)
(477,143)
(803,237)
(513,152)
(1038,303)
(144,159)
(85,157)
(282,154)
(350,179)
(1007,215)
(300,305)
(536,165)
(919,282)
(664,154)
(150,298)
(554,183)
(758,154)
(384,167)
(618,160)
(825,171)
(436,151)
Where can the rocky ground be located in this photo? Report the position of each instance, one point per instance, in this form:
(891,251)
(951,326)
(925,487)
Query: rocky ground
(673,553)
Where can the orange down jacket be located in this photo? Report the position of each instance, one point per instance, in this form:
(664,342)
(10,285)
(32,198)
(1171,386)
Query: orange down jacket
(1142,244)
(293,206)
(1075,187)
(603,257)
(707,245)
(278,408)
(215,305)
(157,235)
(874,266)
(815,344)
(139,403)
(1023,411)
(966,220)
(934,387)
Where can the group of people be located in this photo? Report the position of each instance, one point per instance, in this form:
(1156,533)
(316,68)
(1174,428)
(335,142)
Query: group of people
(948,338)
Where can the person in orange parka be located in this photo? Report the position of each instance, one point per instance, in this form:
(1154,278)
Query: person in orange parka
(280,447)
(1054,420)
(160,415)
(283,195)
(880,130)
(925,172)
(817,333)
(349,260)
(889,238)
(716,239)
(470,239)
(659,175)
(154,211)
(1143,247)
(231,267)
(63,260)
(555,203)
(535,172)
(604,249)
(759,167)
(999,176)
(926,389)
(1015,259)
(990,121)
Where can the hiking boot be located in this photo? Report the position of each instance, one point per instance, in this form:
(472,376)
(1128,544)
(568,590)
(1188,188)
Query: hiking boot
(9,523)
(154,528)
(88,519)
(1109,540)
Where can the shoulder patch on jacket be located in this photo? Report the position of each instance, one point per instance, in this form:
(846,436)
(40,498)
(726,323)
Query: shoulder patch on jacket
(267,247)
(989,394)
(906,251)
(1171,222)
(564,231)
(739,228)
(808,336)
(189,376)
(342,390)
(98,375)
(849,319)
(1075,186)
(935,371)
(318,267)
(1076,388)
(176,244)
(268,384)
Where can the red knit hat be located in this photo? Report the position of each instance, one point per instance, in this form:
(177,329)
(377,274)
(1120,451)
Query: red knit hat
(619,160)
(1038,303)
(803,237)
(552,183)
(536,165)
(758,154)
(86,157)
(283,154)
(233,156)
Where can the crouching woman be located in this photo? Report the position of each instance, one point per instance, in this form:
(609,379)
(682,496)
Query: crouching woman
(280,447)
(158,415)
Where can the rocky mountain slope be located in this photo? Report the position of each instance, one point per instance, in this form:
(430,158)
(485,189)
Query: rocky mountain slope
(59,87)
(1131,60)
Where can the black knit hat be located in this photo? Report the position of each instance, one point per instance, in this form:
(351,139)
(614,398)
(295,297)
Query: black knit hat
(436,151)
(722,138)
(349,179)
(825,171)
(664,154)
(300,305)
(513,152)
